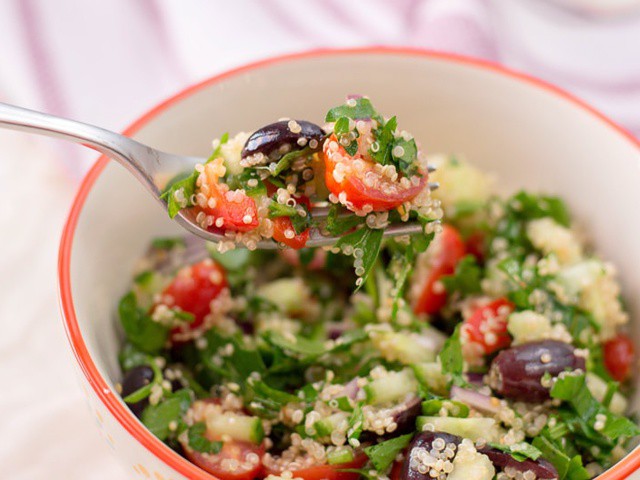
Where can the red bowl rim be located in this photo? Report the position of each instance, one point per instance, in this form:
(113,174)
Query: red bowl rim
(127,420)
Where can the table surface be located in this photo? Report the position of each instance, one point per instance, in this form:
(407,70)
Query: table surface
(107,62)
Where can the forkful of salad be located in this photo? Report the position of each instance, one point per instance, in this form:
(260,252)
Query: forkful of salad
(291,183)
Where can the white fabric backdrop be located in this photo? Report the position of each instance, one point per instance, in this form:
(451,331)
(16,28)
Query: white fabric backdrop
(107,62)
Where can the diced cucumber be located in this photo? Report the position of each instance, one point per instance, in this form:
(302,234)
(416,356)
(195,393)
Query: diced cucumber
(393,386)
(145,287)
(327,425)
(239,427)
(340,455)
(407,348)
(472,428)
(528,326)
(598,388)
(290,295)
(430,374)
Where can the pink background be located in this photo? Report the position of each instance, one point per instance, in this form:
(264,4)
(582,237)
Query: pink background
(106,62)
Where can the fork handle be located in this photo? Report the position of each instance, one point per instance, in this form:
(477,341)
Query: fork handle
(122,149)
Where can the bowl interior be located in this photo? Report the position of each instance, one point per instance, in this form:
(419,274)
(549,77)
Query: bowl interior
(528,136)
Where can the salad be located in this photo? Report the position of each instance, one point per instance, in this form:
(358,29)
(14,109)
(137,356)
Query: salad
(261,185)
(492,346)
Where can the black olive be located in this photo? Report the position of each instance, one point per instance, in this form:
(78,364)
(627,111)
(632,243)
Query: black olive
(277,139)
(517,372)
(134,380)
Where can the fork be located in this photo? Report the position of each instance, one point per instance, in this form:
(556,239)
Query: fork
(152,167)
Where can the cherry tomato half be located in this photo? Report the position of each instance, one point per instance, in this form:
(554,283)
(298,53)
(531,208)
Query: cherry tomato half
(237,210)
(282,225)
(618,356)
(242,452)
(192,290)
(450,249)
(487,326)
(330,472)
(363,186)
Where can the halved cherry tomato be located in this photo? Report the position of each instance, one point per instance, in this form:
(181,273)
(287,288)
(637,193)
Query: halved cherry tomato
(450,250)
(192,290)
(330,472)
(379,192)
(283,224)
(487,326)
(618,356)
(475,245)
(231,450)
(237,210)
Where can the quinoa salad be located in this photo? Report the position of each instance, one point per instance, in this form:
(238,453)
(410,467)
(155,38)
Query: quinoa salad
(491,346)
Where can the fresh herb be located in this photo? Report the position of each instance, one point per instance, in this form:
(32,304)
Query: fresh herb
(141,331)
(285,162)
(520,451)
(198,441)
(368,241)
(159,418)
(361,109)
(341,126)
(451,358)
(356,421)
(465,279)
(384,140)
(298,222)
(433,407)
(250,181)
(167,243)
(573,389)
(340,220)
(383,454)
(569,468)
(266,400)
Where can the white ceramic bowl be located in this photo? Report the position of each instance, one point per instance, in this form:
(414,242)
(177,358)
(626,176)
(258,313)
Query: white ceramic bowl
(529,133)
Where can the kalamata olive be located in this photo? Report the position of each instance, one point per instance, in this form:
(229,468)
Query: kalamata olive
(279,138)
(134,380)
(406,418)
(424,440)
(517,372)
(501,460)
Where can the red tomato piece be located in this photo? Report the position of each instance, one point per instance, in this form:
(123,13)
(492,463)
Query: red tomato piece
(618,356)
(358,184)
(487,326)
(237,210)
(396,471)
(450,249)
(475,245)
(282,225)
(330,472)
(192,290)
(243,452)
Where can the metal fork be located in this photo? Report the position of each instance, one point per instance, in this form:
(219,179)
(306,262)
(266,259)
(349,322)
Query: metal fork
(152,167)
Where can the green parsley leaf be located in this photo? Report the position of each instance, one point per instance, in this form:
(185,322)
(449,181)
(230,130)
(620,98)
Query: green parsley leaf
(568,468)
(451,358)
(145,334)
(167,243)
(285,162)
(342,126)
(466,278)
(356,421)
(433,407)
(187,184)
(405,162)
(520,451)
(573,389)
(383,454)
(298,222)
(384,139)
(200,443)
(369,241)
(340,220)
(362,109)
(171,409)
(529,207)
